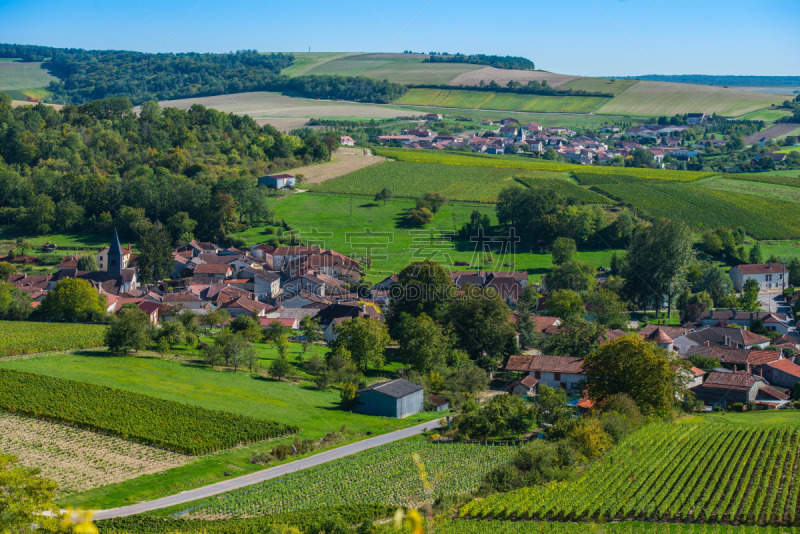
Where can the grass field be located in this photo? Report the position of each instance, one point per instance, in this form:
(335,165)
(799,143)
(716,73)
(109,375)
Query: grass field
(661,98)
(499,101)
(316,412)
(602,85)
(23,80)
(412,180)
(379,228)
(79,460)
(400,68)
(23,337)
(692,472)
(767,115)
(701,207)
(387,475)
(503,76)
(758,189)
(305,61)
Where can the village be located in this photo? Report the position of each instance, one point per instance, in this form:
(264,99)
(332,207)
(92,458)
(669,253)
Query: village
(286,284)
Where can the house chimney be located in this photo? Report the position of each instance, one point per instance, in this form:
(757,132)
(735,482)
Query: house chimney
(726,341)
(734,368)
(707,343)
(747,367)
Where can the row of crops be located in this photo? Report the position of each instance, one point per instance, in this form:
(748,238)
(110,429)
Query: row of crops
(306,521)
(171,425)
(703,207)
(565,188)
(23,337)
(466,526)
(705,472)
(412,180)
(460,98)
(388,475)
(515,162)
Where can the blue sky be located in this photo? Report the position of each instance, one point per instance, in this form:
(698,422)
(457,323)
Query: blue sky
(585,37)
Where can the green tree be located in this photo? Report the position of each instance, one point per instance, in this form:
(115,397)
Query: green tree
(712,243)
(15,305)
(366,340)
(503,415)
(424,345)
(636,367)
(87,262)
(563,250)
(25,498)
(248,327)
(39,215)
(6,270)
(419,216)
(309,328)
(173,332)
(68,215)
(552,409)
(755,255)
(280,368)
(590,438)
(424,287)
(657,259)
(73,300)
(129,331)
(155,254)
(572,274)
(481,323)
(384,195)
(234,348)
(181,227)
(576,337)
(432,201)
(748,300)
(608,309)
(564,303)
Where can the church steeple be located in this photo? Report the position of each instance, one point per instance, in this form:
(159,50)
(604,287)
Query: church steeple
(115,257)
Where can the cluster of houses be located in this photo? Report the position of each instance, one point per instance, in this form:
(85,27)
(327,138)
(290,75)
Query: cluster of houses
(659,140)
(283,284)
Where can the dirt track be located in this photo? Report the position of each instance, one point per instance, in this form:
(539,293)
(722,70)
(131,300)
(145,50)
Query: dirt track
(345,161)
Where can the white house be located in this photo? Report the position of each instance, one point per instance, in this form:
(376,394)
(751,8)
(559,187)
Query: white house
(768,275)
(346,140)
(555,371)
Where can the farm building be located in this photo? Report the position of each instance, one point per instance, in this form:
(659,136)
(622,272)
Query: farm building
(522,387)
(395,398)
(346,140)
(554,371)
(277,181)
(439,404)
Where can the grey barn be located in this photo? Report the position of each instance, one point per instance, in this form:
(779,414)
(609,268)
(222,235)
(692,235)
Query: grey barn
(395,398)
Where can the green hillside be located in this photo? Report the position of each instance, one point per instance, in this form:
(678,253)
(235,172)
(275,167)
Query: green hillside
(24,81)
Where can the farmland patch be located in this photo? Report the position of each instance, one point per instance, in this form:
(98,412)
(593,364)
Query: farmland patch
(459,98)
(386,475)
(79,460)
(25,337)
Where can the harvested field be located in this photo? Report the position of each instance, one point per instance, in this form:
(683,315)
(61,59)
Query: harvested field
(266,105)
(283,125)
(662,98)
(503,76)
(345,161)
(469,99)
(773,132)
(17,103)
(78,459)
(399,68)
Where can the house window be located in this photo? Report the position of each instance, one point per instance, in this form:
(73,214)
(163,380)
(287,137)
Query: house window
(556,376)
(537,375)
(563,385)
(769,278)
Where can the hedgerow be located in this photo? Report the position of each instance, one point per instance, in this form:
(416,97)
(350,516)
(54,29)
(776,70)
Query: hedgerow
(171,425)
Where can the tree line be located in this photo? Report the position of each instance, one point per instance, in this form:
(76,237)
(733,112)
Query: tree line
(86,75)
(99,165)
(533,87)
(499,62)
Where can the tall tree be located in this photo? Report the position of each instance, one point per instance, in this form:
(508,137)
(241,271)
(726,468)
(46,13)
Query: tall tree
(424,344)
(365,338)
(634,366)
(572,274)
(73,300)
(755,255)
(129,331)
(563,250)
(657,258)
(480,320)
(155,254)
(424,287)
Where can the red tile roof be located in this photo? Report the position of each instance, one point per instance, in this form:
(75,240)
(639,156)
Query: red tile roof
(697,371)
(528,381)
(741,380)
(761,268)
(787,367)
(659,336)
(548,364)
(211,268)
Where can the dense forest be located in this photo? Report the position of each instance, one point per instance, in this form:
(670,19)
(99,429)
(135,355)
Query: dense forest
(500,62)
(86,75)
(100,165)
(705,79)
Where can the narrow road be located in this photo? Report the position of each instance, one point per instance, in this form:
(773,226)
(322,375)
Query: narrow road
(266,474)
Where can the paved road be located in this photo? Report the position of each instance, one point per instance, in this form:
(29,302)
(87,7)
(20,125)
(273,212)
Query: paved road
(266,474)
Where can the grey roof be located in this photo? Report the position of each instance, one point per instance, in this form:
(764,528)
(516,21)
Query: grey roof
(398,388)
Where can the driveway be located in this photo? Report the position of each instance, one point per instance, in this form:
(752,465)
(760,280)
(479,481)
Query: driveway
(266,474)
